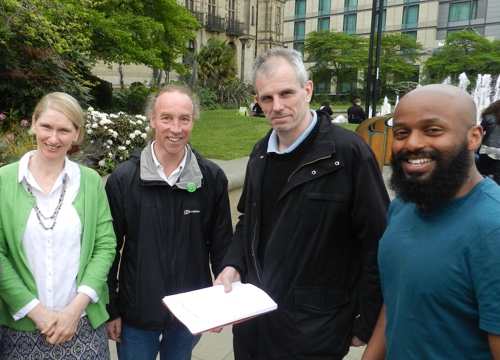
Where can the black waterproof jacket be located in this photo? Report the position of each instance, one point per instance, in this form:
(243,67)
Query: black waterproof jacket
(167,236)
(320,264)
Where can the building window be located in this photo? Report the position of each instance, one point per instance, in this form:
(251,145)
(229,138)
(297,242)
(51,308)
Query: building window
(324,7)
(211,7)
(299,46)
(348,87)
(411,1)
(466,10)
(410,17)
(350,5)
(300,9)
(324,23)
(384,13)
(231,11)
(253,16)
(299,30)
(350,24)
(412,34)
(190,5)
(323,86)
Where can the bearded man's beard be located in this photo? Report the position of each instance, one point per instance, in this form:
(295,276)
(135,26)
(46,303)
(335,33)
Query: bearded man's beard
(436,188)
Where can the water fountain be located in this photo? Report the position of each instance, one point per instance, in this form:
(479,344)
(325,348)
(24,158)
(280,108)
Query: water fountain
(483,94)
(463,82)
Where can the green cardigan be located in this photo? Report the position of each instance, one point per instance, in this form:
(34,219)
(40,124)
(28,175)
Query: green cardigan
(17,285)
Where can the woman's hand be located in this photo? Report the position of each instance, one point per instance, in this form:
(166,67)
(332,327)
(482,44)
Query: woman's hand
(42,317)
(63,326)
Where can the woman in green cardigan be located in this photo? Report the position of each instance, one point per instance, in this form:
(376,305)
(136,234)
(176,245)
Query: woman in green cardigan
(56,244)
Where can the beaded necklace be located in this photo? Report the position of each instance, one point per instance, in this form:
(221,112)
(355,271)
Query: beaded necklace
(53,217)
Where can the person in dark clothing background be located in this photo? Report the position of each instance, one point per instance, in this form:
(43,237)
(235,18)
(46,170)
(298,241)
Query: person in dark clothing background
(326,107)
(489,152)
(313,210)
(356,114)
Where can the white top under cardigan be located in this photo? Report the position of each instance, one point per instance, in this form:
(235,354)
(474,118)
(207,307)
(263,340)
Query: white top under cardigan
(54,255)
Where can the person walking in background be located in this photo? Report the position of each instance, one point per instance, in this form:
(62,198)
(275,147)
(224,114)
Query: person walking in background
(326,107)
(439,257)
(313,210)
(56,245)
(356,114)
(489,152)
(172,220)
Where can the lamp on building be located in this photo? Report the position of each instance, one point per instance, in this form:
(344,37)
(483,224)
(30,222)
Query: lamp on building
(243,40)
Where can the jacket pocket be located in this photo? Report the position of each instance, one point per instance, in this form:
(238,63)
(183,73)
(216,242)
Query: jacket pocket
(321,298)
(328,197)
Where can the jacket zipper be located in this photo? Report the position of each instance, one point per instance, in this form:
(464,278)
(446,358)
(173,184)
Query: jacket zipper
(253,252)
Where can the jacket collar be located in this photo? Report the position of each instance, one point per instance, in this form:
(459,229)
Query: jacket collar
(190,178)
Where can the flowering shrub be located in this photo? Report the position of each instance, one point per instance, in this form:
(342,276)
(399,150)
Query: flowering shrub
(109,139)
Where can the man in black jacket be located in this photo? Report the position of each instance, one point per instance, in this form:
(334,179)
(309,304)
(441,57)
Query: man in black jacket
(313,210)
(171,217)
(355,114)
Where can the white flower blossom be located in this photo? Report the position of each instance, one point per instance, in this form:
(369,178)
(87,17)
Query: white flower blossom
(132,136)
(143,135)
(94,125)
(89,131)
(110,142)
(102,163)
(127,142)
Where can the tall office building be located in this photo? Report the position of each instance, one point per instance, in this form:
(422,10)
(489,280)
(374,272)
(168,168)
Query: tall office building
(428,21)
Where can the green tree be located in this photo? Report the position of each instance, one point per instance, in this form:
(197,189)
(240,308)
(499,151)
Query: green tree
(215,63)
(216,72)
(398,55)
(71,35)
(336,54)
(463,51)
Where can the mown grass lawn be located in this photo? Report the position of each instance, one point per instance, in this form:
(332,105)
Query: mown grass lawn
(223,135)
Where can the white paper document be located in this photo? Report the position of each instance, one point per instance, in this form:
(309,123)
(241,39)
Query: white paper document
(210,308)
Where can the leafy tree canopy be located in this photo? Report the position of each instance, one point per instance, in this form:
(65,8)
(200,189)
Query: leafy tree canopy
(464,51)
(336,53)
(51,45)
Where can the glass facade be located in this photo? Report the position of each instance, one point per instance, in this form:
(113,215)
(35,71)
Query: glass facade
(324,7)
(410,17)
(324,23)
(299,30)
(350,24)
(300,9)
(461,11)
(350,5)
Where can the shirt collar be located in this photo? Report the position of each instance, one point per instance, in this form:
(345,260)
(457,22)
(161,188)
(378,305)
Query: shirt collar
(272,145)
(70,167)
(159,167)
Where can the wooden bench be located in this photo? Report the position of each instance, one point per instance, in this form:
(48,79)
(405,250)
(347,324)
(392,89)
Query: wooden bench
(378,135)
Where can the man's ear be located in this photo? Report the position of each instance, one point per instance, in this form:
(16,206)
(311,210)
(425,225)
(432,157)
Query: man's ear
(475,137)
